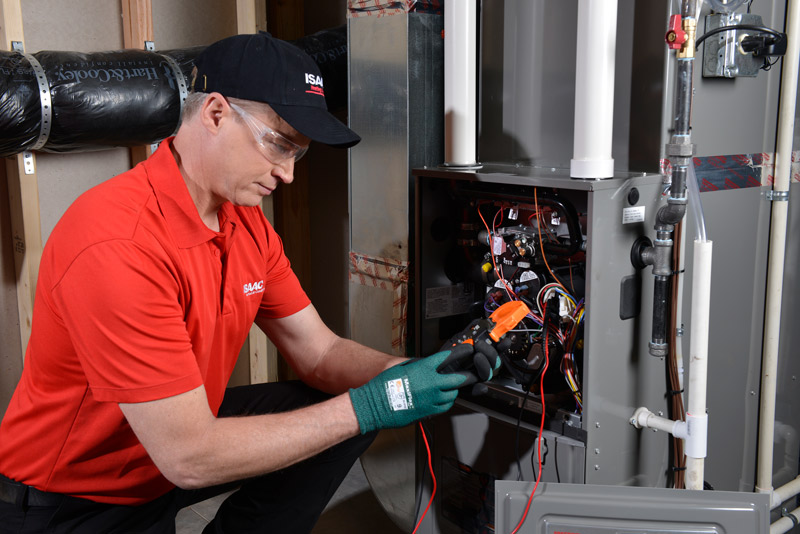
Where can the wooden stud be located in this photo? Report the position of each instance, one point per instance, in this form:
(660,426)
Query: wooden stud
(23,197)
(137,27)
(251,16)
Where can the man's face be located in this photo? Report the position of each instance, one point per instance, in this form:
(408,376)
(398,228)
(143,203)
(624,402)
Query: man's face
(263,149)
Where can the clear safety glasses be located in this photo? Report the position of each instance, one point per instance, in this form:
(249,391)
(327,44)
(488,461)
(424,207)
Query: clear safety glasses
(276,147)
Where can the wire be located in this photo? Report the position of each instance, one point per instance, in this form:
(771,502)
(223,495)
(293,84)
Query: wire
(762,29)
(555,460)
(541,430)
(433,477)
(543,459)
(541,245)
(516,432)
(491,252)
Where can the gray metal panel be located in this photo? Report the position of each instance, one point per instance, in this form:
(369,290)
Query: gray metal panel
(619,374)
(786,411)
(516,174)
(528,81)
(620,510)
(738,282)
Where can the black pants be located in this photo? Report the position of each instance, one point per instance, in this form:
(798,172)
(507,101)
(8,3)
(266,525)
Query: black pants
(286,501)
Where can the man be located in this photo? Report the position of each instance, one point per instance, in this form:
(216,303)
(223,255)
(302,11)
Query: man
(148,287)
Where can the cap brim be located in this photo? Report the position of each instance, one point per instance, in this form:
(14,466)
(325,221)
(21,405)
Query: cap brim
(318,125)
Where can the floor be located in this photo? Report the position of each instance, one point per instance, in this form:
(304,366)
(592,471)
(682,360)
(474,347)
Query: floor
(352,504)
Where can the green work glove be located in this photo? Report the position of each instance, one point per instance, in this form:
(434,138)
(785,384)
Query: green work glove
(406,393)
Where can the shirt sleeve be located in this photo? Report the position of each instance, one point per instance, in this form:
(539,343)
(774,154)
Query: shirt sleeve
(121,305)
(283,295)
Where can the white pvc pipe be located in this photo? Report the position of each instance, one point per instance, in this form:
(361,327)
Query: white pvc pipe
(785,492)
(698,359)
(460,82)
(594,89)
(784,524)
(644,418)
(777,248)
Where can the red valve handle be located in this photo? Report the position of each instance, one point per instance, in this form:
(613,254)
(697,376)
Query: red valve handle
(675,36)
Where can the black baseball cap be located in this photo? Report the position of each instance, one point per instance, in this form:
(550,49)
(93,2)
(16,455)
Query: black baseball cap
(262,68)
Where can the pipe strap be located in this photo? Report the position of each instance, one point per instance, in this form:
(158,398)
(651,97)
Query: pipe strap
(791,516)
(46,102)
(183,90)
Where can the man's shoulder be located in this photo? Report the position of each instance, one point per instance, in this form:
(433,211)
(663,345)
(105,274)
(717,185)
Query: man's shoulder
(112,208)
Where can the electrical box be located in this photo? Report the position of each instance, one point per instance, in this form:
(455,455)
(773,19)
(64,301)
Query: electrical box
(723,56)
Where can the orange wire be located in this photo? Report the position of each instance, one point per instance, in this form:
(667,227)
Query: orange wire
(539,223)
(430,468)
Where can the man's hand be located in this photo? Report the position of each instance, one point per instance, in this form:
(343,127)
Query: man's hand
(407,392)
(476,363)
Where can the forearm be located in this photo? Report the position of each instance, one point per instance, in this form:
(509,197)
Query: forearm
(209,450)
(347,364)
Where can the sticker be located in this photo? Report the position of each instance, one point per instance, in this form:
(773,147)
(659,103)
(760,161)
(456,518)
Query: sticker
(633,214)
(399,395)
(527,276)
(448,300)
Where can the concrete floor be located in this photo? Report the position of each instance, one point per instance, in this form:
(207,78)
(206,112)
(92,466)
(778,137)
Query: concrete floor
(353,508)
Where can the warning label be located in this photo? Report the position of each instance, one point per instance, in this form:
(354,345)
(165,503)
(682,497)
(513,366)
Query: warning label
(634,214)
(448,300)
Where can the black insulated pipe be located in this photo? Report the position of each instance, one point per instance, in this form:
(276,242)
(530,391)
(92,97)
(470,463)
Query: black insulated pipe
(73,101)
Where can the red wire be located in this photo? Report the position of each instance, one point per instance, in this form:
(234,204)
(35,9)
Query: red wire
(541,429)
(430,468)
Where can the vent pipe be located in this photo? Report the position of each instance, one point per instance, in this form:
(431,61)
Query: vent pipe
(460,83)
(594,90)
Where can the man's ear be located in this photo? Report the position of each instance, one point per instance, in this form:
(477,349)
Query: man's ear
(213,110)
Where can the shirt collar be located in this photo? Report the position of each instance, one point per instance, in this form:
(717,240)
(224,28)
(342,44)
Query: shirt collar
(177,206)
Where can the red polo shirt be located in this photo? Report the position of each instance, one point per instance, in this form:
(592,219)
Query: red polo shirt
(137,300)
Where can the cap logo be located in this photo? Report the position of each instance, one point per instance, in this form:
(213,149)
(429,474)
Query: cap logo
(315,84)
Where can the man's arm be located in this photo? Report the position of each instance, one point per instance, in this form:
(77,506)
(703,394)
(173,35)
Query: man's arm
(320,358)
(194,449)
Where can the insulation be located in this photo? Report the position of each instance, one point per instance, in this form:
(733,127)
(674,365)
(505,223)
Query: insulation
(72,101)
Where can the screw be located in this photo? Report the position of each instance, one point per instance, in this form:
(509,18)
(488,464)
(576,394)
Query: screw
(597,451)
(596,467)
(752,393)
(597,424)
(633,421)
(660,413)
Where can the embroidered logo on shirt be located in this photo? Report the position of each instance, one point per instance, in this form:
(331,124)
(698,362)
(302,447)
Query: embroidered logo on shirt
(253,288)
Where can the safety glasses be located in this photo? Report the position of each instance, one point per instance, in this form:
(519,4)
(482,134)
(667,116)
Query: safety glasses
(275,146)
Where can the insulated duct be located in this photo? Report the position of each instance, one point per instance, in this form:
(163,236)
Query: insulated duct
(72,101)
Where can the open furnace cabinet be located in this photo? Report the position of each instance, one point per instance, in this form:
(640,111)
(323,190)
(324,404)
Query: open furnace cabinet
(599,368)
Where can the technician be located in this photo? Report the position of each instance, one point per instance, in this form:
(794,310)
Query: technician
(148,287)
